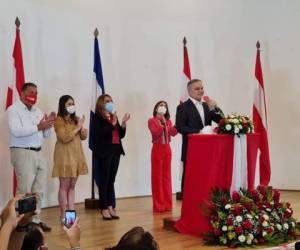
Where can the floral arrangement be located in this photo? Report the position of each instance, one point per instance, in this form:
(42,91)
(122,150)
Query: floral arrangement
(235,124)
(248,218)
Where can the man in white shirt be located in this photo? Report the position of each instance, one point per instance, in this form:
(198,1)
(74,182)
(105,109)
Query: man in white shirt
(28,127)
(193,115)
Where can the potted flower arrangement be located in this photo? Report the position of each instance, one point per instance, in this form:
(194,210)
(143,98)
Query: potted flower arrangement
(248,218)
(235,124)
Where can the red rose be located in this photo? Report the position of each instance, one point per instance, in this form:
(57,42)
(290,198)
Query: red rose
(236,196)
(216,130)
(217,232)
(254,195)
(269,230)
(288,205)
(239,230)
(288,214)
(261,219)
(247,224)
(229,221)
(261,240)
(224,201)
(248,206)
(237,210)
(222,122)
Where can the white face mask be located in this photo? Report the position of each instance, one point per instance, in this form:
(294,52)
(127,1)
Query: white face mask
(71,109)
(161,110)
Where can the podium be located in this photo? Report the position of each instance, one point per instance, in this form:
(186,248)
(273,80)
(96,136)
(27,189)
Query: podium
(209,165)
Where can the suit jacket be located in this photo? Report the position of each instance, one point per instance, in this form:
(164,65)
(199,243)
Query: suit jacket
(102,143)
(188,121)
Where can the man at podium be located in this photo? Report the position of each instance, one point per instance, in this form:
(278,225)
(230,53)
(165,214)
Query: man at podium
(193,115)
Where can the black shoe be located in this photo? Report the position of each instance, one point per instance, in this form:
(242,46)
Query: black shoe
(45,227)
(106,218)
(115,217)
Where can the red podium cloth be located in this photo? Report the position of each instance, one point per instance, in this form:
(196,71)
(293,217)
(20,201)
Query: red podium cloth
(209,164)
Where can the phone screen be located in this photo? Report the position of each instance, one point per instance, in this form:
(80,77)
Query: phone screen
(70,216)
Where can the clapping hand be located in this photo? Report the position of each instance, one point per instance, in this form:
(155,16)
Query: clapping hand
(125,118)
(46,122)
(80,121)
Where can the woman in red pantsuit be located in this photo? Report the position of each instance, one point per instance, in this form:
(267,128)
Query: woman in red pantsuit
(161,129)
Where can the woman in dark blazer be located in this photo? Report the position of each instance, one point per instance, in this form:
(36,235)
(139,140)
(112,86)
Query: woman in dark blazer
(107,151)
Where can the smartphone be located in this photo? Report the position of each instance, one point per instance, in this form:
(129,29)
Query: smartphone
(27,204)
(70,217)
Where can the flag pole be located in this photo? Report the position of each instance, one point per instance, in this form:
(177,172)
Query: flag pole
(96,33)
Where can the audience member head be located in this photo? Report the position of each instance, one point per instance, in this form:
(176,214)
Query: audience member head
(29,236)
(101,103)
(161,108)
(66,107)
(195,89)
(29,94)
(136,239)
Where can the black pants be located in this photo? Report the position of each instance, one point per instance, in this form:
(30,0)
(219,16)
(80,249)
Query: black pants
(108,167)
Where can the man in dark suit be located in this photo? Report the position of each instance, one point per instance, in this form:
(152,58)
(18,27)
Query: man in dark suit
(193,115)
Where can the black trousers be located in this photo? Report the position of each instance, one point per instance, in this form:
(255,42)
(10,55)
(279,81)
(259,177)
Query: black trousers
(108,168)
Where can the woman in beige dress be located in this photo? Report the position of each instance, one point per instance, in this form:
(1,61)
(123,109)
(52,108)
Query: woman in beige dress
(69,159)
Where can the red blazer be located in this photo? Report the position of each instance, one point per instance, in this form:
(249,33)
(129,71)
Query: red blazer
(157,129)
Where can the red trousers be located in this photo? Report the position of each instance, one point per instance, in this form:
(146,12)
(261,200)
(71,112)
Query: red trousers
(161,177)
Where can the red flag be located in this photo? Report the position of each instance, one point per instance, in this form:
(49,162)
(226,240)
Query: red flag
(19,77)
(260,122)
(186,72)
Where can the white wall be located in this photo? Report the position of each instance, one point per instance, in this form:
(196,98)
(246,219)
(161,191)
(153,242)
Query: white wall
(141,51)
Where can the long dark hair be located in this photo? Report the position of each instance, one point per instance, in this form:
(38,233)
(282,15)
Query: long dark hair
(62,112)
(167,114)
(33,238)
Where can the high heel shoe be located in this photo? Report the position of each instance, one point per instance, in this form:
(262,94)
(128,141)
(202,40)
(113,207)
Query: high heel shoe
(106,217)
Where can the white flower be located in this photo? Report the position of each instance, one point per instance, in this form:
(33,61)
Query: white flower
(224,228)
(265,224)
(231,116)
(236,130)
(242,238)
(224,241)
(240,126)
(239,218)
(264,233)
(272,202)
(268,209)
(228,127)
(251,236)
(266,217)
(279,227)
(228,206)
(288,210)
(249,130)
(286,226)
(236,121)
(249,216)
(249,241)
(293,224)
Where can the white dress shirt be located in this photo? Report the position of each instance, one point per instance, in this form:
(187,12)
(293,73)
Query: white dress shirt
(23,123)
(200,109)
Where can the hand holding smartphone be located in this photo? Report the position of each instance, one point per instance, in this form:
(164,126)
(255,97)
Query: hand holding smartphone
(70,217)
(26,205)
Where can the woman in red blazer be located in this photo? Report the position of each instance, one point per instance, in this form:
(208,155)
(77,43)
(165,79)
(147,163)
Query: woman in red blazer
(161,129)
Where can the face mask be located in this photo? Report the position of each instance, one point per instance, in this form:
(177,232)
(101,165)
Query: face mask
(161,110)
(109,107)
(71,109)
(31,99)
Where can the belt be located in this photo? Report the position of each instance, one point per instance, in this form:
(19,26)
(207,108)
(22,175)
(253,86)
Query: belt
(30,148)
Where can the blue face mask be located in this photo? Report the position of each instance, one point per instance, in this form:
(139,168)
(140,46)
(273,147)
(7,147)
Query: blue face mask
(109,107)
